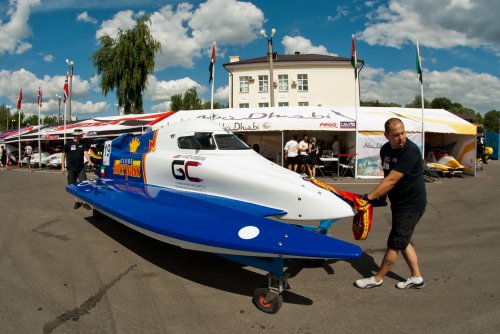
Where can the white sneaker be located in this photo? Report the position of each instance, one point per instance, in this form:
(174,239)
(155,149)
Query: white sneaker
(368,283)
(411,283)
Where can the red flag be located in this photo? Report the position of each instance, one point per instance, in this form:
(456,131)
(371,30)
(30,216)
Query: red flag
(212,63)
(66,94)
(20,99)
(40,96)
(354,57)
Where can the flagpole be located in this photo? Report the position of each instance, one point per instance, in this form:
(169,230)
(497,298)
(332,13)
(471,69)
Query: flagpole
(356,115)
(39,142)
(423,126)
(212,77)
(419,71)
(19,138)
(354,63)
(212,97)
(64,123)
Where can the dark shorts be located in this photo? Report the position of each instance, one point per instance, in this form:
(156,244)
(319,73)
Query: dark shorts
(75,176)
(313,161)
(303,159)
(28,159)
(403,225)
(291,160)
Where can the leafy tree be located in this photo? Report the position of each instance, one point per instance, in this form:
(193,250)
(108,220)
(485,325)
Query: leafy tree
(191,101)
(50,119)
(32,120)
(217,105)
(491,120)
(417,103)
(5,117)
(377,103)
(125,62)
(441,103)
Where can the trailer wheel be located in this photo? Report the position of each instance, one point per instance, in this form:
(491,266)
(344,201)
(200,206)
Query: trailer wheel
(271,307)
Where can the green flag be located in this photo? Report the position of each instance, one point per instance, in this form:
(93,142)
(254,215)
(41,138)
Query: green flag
(419,64)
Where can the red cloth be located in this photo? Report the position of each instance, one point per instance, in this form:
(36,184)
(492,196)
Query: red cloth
(362,220)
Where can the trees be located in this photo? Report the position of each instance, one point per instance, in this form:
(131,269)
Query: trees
(441,103)
(191,101)
(125,62)
(491,122)
(417,103)
(377,103)
(5,118)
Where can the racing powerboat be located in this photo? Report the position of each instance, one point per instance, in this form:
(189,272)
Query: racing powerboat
(198,186)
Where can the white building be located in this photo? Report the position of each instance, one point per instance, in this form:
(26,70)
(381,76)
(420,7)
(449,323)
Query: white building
(299,80)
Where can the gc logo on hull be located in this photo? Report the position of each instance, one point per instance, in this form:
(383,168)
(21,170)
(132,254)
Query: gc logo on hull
(180,170)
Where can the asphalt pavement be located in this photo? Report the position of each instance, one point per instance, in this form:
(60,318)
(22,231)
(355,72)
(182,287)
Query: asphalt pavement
(63,272)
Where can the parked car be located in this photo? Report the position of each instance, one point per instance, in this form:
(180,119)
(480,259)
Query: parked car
(35,159)
(55,160)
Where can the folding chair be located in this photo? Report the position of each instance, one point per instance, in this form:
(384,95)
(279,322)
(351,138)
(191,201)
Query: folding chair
(320,169)
(348,165)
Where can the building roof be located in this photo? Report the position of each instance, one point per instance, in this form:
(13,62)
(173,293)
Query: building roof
(297,57)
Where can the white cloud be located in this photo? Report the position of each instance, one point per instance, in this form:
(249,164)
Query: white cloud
(222,94)
(87,108)
(13,33)
(84,17)
(435,23)
(478,91)
(164,90)
(122,20)
(162,107)
(51,86)
(342,11)
(48,58)
(303,45)
(185,32)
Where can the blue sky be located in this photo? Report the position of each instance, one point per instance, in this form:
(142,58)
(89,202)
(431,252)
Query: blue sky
(459,42)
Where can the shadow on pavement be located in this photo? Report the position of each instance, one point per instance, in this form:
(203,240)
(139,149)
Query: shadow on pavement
(200,267)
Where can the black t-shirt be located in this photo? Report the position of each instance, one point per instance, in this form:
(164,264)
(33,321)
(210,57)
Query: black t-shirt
(75,157)
(408,195)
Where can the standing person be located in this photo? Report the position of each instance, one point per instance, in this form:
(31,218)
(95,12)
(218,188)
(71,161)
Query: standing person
(3,156)
(335,147)
(313,157)
(28,152)
(404,183)
(303,156)
(73,154)
(291,152)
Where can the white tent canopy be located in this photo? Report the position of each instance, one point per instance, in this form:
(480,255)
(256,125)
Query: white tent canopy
(371,120)
(326,118)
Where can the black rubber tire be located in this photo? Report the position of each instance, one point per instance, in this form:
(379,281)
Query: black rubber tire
(272,307)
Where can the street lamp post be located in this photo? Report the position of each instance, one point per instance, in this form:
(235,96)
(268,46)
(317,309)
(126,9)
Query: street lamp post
(270,55)
(8,119)
(70,63)
(59,114)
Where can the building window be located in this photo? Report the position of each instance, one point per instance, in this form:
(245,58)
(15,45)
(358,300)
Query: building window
(303,85)
(303,104)
(282,104)
(244,105)
(263,105)
(283,82)
(263,83)
(244,84)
